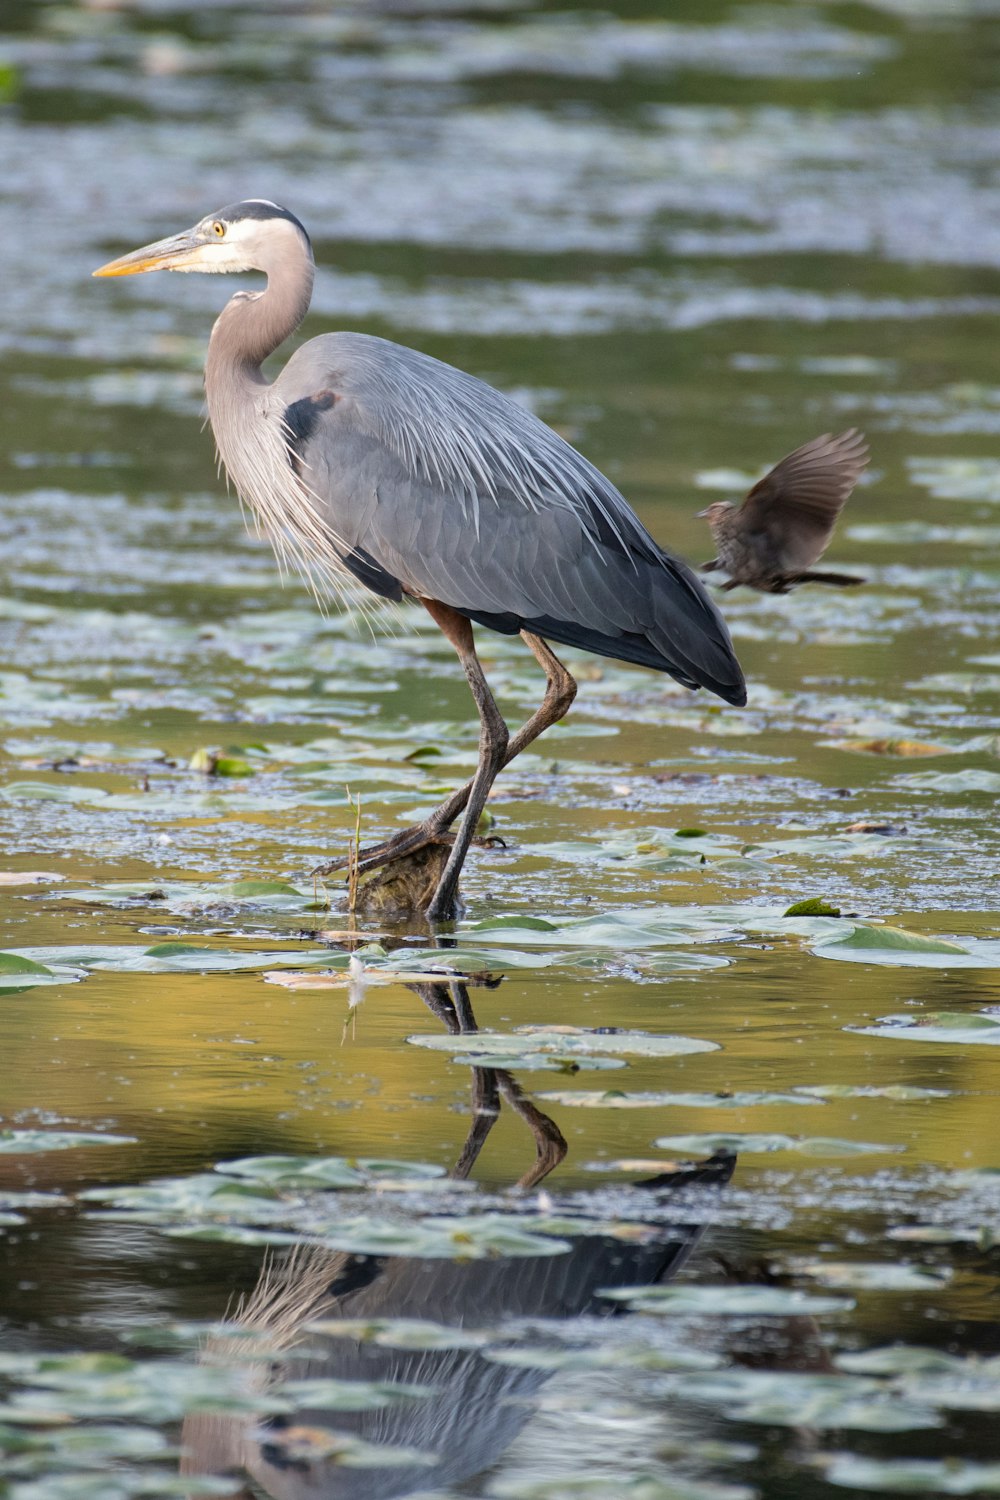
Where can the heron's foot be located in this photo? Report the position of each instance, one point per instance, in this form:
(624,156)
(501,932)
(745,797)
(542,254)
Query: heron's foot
(404,875)
(402,845)
(408,841)
(405,886)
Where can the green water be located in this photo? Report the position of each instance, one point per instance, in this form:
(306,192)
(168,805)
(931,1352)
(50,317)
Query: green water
(690,241)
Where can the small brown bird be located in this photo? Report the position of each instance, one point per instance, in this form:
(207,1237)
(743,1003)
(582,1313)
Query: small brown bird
(785,523)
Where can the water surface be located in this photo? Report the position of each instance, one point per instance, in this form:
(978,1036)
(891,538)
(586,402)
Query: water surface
(690,243)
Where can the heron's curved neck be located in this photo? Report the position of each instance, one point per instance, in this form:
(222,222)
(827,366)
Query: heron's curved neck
(249,328)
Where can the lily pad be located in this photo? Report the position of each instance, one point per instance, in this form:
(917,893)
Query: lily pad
(565,1042)
(963,1028)
(898,1091)
(326,1171)
(879,1276)
(728,1301)
(619,1099)
(913,1476)
(892,945)
(17,973)
(23,1142)
(401,1333)
(813,907)
(707,1145)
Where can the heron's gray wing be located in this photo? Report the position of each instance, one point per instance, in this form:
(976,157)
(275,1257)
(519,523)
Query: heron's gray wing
(797,503)
(438,486)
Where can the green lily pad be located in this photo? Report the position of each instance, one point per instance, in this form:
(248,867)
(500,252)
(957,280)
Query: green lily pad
(539,1062)
(176,958)
(626,1487)
(18,973)
(892,945)
(18,1142)
(962,1028)
(707,1145)
(812,907)
(564,1042)
(353,1395)
(728,1301)
(899,1091)
(401,1333)
(913,1476)
(326,1171)
(897,1359)
(619,1099)
(881,1276)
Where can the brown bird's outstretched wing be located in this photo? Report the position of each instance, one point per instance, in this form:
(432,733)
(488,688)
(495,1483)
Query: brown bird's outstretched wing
(797,503)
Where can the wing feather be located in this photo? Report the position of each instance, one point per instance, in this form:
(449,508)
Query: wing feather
(446,485)
(796,504)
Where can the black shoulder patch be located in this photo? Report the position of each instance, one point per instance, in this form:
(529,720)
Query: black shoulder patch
(371,573)
(357,1272)
(300,420)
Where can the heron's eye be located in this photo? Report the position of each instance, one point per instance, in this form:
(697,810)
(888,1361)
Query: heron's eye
(218,229)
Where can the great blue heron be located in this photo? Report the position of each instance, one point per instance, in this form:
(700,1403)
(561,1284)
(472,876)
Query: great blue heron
(367,459)
(786,521)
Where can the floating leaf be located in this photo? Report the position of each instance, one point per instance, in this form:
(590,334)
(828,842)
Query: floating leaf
(475,1237)
(896,1359)
(968,780)
(984,1238)
(564,1042)
(913,1476)
(728,1301)
(625,929)
(212,762)
(17,973)
(881,1276)
(891,945)
(401,1333)
(540,1062)
(326,1171)
(242,889)
(173,958)
(812,907)
(619,1099)
(708,1145)
(17,1142)
(900,1091)
(967,1028)
(353,1395)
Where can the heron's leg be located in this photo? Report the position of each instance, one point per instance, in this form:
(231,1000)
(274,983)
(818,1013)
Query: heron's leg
(560,690)
(493,744)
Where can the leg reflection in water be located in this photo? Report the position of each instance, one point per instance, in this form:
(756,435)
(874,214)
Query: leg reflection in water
(478,1405)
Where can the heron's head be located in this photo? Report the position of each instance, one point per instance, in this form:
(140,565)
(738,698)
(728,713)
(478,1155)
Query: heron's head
(249,236)
(715,512)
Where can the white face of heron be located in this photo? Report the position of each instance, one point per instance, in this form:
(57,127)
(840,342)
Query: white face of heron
(256,237)
(243,245)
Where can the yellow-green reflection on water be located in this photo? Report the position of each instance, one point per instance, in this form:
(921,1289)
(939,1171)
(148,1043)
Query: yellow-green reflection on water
(690,242)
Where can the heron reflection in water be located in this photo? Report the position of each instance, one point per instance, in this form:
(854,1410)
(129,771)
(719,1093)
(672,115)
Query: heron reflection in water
(367,461)
(478,1405)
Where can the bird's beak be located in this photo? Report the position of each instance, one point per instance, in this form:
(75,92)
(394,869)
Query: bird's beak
(699,515)
(178,252)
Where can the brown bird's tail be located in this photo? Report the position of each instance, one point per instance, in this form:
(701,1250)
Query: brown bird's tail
(836,580)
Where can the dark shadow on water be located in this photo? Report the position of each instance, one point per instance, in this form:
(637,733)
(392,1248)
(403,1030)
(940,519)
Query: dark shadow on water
(479,1406)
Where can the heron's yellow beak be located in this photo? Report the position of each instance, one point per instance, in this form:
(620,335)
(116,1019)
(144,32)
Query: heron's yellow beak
(178,252)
